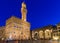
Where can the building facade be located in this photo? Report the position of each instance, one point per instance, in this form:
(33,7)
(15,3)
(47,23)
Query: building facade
(19,29)
(49,32)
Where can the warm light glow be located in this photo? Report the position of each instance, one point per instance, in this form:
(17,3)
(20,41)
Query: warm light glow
(10,37)
(51,30)
(47,30)
(47,33)
(56,38)
(2,38)
(41,34)
(36,32)
(23,5)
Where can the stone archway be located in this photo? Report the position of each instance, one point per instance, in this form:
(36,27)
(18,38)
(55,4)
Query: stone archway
(36,36)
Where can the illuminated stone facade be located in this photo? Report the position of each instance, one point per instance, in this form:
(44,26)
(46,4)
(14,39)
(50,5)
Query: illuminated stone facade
(2,33)
(42,33)
(47,33)
(17,29)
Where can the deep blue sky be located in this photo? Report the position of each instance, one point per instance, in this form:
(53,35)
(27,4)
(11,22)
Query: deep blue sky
(40,12)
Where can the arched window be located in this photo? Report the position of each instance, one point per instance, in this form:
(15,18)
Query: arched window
(41,34)
(36,36)
(47,33)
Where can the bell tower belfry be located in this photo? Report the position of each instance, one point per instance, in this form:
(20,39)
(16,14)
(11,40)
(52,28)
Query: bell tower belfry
(23,11)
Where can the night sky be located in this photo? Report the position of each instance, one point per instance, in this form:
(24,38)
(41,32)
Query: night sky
(40,12)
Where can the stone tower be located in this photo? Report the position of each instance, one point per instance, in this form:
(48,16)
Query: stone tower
(23,11)
(16,28)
